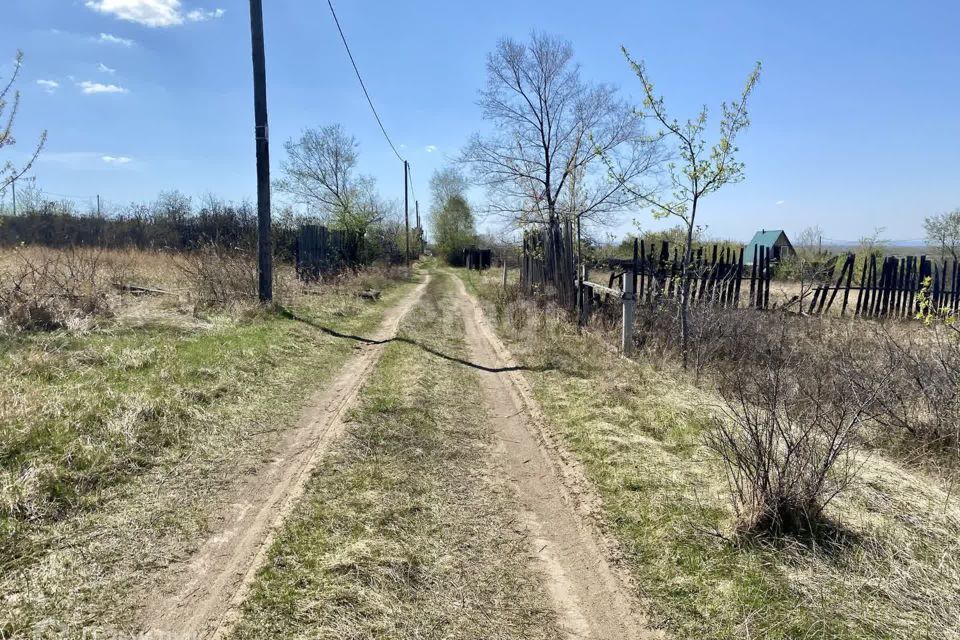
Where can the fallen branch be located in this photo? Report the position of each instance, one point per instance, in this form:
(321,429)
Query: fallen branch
(137,289)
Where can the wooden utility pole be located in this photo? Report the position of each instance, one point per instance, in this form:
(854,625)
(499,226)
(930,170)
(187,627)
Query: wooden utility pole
(13,183)
(98,205)
(262,134)
(416,204)
(406,208)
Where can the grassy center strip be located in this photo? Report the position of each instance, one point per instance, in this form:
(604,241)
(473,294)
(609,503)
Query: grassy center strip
(405,530)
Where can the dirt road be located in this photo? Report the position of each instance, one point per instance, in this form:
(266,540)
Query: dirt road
(200,598)
(592,598)
(590,595)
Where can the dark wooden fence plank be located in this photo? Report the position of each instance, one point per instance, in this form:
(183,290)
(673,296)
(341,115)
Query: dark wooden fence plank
(836,289)
(852,259)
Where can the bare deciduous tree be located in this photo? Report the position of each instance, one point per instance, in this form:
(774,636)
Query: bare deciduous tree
(8,115)
(700,171)
(809,242)
(943,231)
(550,128)
(320,172)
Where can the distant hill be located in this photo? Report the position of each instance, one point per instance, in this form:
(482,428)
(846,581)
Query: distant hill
(914,243)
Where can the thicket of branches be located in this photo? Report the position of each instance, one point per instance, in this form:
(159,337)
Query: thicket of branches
(173,222)
(800,396)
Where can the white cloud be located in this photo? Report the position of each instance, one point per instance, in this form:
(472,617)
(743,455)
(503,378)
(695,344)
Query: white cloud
(91,88)
(49,86)
(102,68)
(153,13)
(106,38)
(202,15)
(430,148)
(84,160)
(780,202)
(150,13)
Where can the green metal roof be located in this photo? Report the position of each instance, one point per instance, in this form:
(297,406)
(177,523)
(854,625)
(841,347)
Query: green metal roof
(765,238)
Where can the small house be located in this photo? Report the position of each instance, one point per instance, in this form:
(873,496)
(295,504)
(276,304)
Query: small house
(775,241)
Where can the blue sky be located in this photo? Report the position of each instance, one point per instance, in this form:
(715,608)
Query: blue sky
(856,121)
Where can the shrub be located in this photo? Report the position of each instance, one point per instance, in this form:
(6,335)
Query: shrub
(786,436)
(221,275)
(923,398)
(43,290)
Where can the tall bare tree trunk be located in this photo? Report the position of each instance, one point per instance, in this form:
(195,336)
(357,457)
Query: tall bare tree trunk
(685,288)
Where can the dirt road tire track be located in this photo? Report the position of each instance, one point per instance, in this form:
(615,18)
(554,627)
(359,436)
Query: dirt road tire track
(592,597)
(201,598)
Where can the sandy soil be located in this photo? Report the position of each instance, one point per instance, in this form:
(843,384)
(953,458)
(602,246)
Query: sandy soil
(200,598)
(590,593)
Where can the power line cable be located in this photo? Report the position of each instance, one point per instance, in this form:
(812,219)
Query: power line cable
(376,115)
(362,85)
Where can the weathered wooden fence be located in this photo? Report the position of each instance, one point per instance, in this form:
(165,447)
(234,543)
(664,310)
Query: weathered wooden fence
(887,287)
(891,287)
(548,263)
(321,250)
(717,276)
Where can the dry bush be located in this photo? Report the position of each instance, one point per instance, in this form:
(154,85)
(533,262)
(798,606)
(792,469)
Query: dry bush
(789,425)
(45,289)
(920,364)
(221,276)
(718,336)
(505,303)
(923,399)
(375,276)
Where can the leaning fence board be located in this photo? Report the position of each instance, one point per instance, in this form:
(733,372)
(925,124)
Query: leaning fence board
(847,265)
(599,288)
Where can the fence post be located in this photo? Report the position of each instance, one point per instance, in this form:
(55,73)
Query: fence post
(584,294)
(629,311)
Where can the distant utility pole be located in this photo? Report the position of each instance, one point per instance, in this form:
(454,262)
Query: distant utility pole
(406,207)
(262,134)
(416,204)
(14,184)
(98,205)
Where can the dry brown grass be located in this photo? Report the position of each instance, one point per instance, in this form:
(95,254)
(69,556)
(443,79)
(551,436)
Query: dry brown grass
(76,289)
